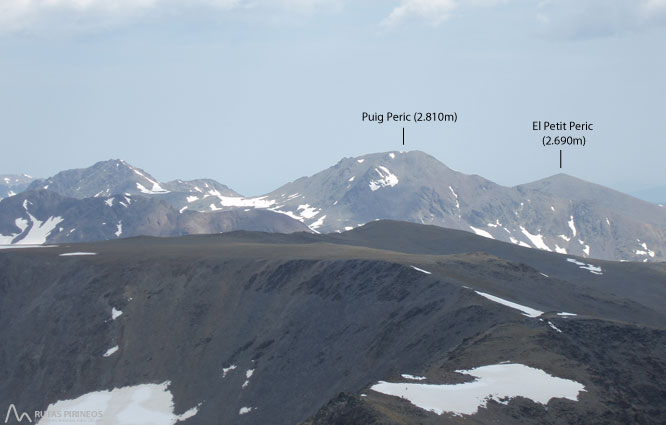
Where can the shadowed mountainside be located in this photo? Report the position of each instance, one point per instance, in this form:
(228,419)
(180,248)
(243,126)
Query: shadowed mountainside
(319,319)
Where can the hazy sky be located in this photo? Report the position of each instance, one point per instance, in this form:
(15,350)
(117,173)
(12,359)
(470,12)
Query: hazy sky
(258,93)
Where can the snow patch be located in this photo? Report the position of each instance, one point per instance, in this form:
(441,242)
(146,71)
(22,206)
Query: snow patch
(39,231)
(22,224)
(234,201)
(645,251)
(115,313)
(560,250)
(245,410)
(537,240)
(572,226)
(110,351)
(288,213)
(527,311)
(226,370)
(482,233)
(413,378)
(308,211)
(145,404)
(554,327)
(74,254)
(421,270)
(591,268)
(317,224)
(119,229)
(494,382)
(386,179)
(248,375)
(155,190)
(455,195)
(517,242)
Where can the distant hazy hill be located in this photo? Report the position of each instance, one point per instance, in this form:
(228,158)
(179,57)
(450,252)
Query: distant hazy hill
(656,195)
(11,184)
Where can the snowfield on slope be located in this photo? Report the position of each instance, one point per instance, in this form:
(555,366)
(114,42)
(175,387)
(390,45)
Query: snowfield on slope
(494,382)
(386,179)
(146,404)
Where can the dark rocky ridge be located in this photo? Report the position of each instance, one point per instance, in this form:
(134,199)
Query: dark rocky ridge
(321,315)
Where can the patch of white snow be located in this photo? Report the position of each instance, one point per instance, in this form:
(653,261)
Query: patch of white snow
(494,382)
(526,311)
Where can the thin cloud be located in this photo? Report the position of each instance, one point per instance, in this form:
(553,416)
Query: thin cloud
(433,12)
(652,7)
(82,15)
(585,19)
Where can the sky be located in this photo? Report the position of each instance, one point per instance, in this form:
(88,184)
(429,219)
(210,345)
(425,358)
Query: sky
(259,93)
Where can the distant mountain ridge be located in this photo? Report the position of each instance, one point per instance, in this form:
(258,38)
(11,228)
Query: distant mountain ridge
(11,184)
(560,213)
(46,217)
(117,177)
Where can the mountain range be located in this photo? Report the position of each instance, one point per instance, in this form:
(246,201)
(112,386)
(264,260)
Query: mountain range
(11,184)
(391,323)
(560,213)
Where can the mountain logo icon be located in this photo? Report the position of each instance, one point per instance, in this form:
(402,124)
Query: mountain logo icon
(19,418)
